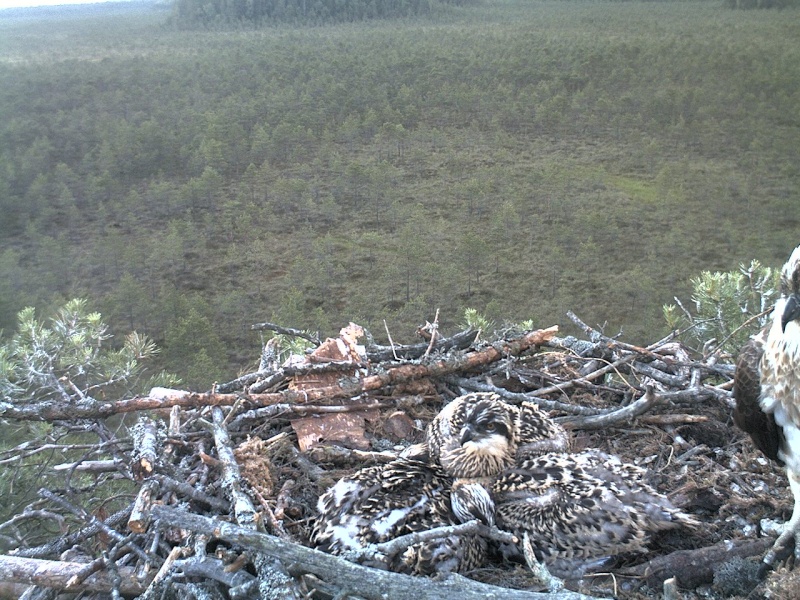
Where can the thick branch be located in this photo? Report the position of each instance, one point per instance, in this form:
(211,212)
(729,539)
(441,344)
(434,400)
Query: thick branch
(56,574)
(368,583)
(696,567)
(344,388)
(399,544)
(139,521)
(621,415)
(243,508)
(145,453)
(90,466)
(273,581)
(676,381)
(213,568)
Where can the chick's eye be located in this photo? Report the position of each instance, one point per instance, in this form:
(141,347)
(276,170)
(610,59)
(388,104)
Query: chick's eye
(491,427)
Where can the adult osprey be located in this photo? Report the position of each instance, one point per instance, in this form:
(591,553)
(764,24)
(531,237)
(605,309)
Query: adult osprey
(766,387)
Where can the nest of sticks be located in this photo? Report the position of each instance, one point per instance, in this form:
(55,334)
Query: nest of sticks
(213,495)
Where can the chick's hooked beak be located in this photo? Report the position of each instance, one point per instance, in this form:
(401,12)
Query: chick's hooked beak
(467,434)
(791,311)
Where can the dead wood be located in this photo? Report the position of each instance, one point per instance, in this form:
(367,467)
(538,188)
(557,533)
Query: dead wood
(60,544)
(386,550)
(460,341)
(192,493)
(90,466)
(202,475)
(367,582)
(91,519)
(140,515)
(57,574)
(145,452)
(692,568)
(393,375)
(617,417)
(213,568)
(596,336)
(273,579)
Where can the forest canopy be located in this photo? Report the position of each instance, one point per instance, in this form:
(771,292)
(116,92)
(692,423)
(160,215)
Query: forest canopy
(194,13)
(519,158)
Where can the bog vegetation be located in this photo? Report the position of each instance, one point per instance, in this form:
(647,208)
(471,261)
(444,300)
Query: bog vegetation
(518,158)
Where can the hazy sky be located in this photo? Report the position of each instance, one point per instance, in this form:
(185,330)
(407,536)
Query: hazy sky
(14,3)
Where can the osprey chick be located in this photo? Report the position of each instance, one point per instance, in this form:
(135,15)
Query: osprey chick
(579,510)
(380,503)
(767,392)
(478,435)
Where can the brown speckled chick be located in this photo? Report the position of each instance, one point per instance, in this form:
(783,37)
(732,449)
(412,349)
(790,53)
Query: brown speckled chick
(478,435)
(577,509)
(380,503)
(580,509)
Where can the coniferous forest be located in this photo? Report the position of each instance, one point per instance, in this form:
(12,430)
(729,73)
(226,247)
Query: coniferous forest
(190,175)
(193,13)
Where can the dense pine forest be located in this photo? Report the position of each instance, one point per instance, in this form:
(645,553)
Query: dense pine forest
(522,158)
(194,13)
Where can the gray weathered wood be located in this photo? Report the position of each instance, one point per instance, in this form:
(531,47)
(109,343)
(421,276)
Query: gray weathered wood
(56,574)
(363,581)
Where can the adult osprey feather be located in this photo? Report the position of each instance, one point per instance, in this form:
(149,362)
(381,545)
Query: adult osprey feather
(767,392)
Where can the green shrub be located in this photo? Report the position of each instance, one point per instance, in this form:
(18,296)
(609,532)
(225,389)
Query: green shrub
(727,307)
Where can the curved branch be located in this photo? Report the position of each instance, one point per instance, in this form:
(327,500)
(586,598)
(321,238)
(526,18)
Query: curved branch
(621,415)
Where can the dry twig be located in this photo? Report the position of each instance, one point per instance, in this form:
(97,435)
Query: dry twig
(596,385)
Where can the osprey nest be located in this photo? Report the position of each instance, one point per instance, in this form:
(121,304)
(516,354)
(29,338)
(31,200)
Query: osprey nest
(217,495)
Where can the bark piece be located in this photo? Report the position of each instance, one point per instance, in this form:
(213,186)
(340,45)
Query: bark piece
(346,429)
